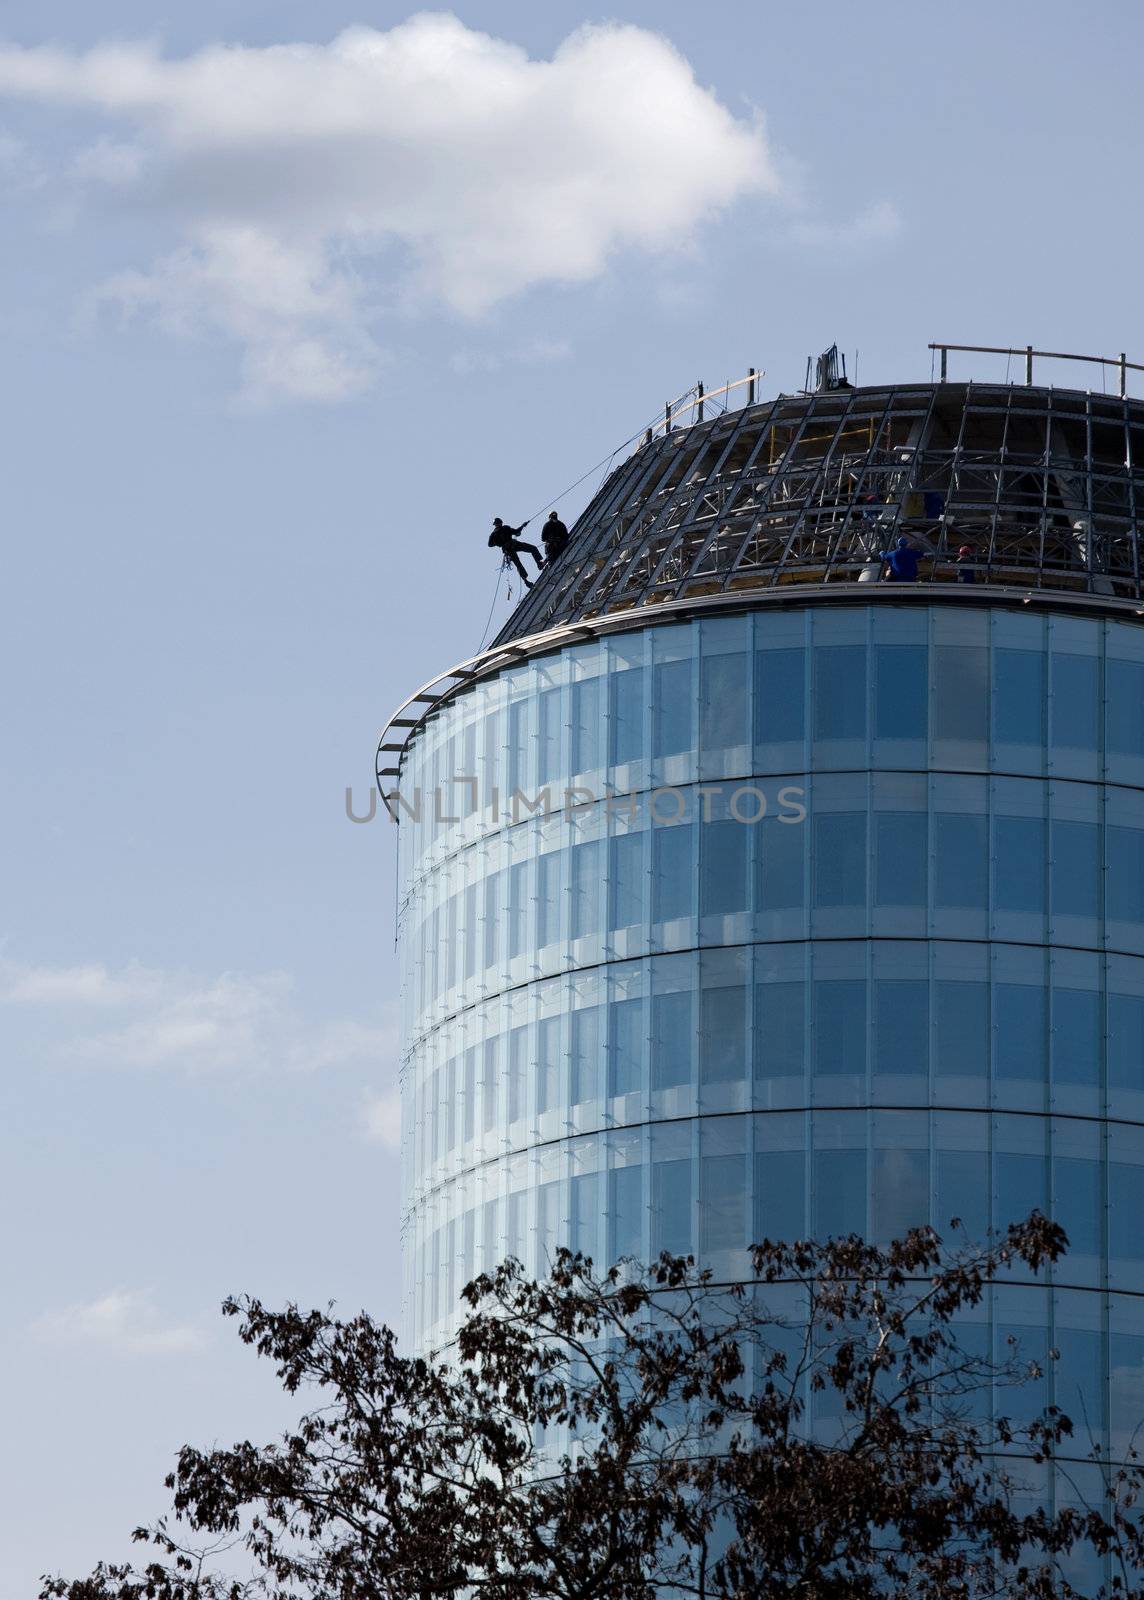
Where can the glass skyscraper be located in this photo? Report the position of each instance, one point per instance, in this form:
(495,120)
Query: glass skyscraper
(833,919)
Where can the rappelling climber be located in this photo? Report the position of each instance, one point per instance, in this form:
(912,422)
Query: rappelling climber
(504,539)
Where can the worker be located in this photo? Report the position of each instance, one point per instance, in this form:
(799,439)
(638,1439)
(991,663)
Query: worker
(555,536)
(504,539)
(964,564)
(902,561)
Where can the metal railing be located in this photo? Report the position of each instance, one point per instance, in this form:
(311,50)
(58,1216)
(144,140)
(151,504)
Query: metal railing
(1120,362)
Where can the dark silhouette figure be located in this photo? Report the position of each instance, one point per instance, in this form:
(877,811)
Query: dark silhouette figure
(555,536)
(504,539)
(902,561)
(964,565)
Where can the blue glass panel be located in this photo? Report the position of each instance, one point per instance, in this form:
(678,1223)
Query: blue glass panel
(548,928)
(627,696)
(961,1028)
(1078,1203)
(962,1192)
(671,1035)
(1020,1022)
(723,867)
(838,1195)
(625,1213)
(489,1077)
(548,1064)
(625,1045)
(517,1073)
(470,1101)
(519,773)
(1079,1380)
(1075,711)
(517,908)
(901,704)
(671,708)
(840,691)
(587,861)
(1021,860)
(671,894)
(780,1029)
(780,1184)
(901,1026)
(492,917)
(901,858)
(1126,874)
(550,762)
(723,701)
(723,1034)
(586,725)
(1125,1235)
(671,1207)
(1125,707)
(961,692)
(469,932)
(1021,1187)
(840,858)
(1125,1041)
(780,696)
(626,906)
(1076,1036)
(839,1025)
(449,1109)
(1019,696)
(1126,1384)
(962,865)
(1076,869)
(586,1054)
(722,1202)
(781,865)
(899,1192)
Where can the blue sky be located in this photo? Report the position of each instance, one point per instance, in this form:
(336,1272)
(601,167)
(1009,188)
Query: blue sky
(282,330)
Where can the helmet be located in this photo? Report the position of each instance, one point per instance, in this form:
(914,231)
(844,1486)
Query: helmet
(965,551)
(903,543)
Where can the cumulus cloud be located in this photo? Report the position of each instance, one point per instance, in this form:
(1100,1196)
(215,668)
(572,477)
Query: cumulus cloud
(315,185)
(148,1018)
(125,1321)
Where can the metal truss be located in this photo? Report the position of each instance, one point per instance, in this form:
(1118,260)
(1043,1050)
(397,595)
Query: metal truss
(1040,483)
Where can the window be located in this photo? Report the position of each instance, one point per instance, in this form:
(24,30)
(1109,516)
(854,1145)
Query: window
(625,1028)
(723,702)
(489,1077)
(625,1213)
(671,1035)
(1076,869)
(961,1028)
(901,704)
(1125,874)
(548,1065)
(517,908)
(671,871)
(1125,1042)
(586,725)
(1076,1036)
(780,696)
(962,861)
(901,858)
(585,1207)
(1021,859)
(899,1192)
(840,691)
(840,1026)
(722,1199)
(671,708)
(1125,1235)
(780,1028)
(781,867)
(517,1073)
(549,761)
(780,1205)
(548,929)
(1125,707)
(723,868)
(723,1035)
(586,1055)
(1020,1187)
(901,1026)
(839,858)
(587,885)
(627,715)
(1020,1030)
(1078,1203)
(627,902)
(671,1207)
(470,1101)
(963,1192)
(1019,697)
(492,917)
(1075,702)
(961,692)
(839,1193)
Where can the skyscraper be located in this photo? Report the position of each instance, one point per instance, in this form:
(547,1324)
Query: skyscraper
(834,920)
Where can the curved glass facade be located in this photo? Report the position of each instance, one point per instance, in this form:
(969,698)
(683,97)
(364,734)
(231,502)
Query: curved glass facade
(833,920)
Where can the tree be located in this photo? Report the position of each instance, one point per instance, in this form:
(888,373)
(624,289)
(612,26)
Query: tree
(816,1432)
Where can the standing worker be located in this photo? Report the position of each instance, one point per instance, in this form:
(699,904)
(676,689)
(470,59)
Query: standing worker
(555,536)
(902,561)
(966,572)
(504,539)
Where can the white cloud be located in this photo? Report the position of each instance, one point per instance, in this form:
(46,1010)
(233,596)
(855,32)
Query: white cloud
(381,1119)
(148,1018)
(430,161)
(125,1321)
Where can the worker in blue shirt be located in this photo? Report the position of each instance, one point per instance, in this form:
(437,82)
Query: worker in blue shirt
(903,562)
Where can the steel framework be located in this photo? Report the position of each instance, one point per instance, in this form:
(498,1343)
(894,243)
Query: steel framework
(1041,484)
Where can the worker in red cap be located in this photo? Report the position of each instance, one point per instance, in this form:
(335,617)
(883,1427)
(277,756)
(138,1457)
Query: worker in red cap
(966,571)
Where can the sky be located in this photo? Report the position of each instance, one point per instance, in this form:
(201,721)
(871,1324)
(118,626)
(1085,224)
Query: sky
(293,298)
